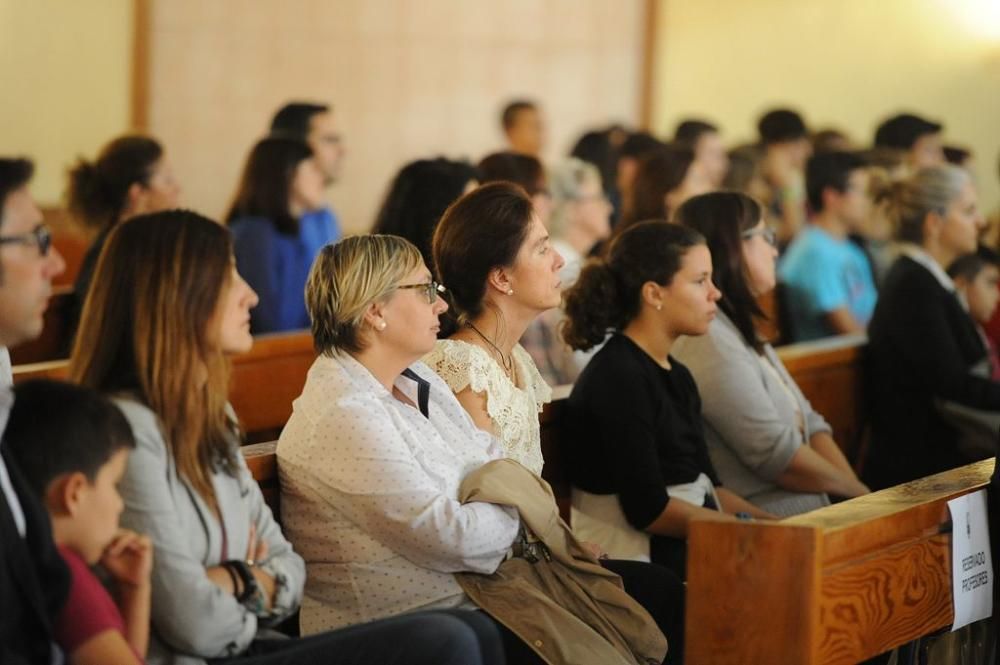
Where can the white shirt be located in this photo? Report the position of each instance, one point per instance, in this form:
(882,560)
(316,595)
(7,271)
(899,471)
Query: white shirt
(369,489)
(6,401)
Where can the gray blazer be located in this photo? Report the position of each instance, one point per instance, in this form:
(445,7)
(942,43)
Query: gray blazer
(750,423)
(192,618)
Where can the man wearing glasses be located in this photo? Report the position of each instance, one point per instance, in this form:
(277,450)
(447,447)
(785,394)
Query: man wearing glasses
(33,579)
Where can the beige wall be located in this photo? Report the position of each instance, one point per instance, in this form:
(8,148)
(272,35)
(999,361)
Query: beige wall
(844,63)
(65,71)
(408,78)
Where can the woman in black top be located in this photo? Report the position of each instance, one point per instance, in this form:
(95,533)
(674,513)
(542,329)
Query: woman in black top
(921,340)
(640,466)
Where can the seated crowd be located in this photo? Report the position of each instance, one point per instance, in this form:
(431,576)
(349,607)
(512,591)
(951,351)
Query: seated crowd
(415,526)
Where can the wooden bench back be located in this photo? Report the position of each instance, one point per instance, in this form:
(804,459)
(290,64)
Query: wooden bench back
(834,586)
(830,373)
(265,381)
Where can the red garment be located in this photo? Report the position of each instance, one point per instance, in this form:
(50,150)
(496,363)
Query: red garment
(993,328)
(89,609)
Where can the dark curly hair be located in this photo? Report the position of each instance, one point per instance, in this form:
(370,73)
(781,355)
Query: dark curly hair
(606,296)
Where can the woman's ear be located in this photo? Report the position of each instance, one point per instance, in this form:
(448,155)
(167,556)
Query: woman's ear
(135,200)
(652,295)
(374,317)
(498,280)
(932,225)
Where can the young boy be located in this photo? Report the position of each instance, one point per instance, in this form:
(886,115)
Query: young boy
(976,277)
(72,445)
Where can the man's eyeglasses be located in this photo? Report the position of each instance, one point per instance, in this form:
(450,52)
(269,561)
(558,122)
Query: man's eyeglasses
(767,233)
(40,237)
(431,290)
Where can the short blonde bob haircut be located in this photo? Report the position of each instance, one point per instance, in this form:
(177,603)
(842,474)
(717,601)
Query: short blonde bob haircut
(346,278)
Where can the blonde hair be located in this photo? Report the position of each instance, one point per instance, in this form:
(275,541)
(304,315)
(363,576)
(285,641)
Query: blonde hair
(911,199)
(565,181)
(349,276)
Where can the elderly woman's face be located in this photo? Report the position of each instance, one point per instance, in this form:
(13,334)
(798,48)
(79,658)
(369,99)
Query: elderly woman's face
(411,319)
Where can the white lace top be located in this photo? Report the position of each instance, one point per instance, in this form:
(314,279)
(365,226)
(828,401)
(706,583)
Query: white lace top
(513,409)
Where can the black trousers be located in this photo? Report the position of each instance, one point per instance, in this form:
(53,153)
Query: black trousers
(654,587)
(447,637)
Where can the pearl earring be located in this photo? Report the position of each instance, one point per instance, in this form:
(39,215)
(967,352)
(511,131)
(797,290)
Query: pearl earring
(510,292)
(381,325)
(659,307)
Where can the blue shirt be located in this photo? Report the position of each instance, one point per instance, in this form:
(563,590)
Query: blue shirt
(822,273)
(276,266)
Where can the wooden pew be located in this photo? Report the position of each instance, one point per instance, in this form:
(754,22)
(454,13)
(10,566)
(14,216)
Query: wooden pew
(53,343)
(830,374)
(70,240)
(263,464)
(264,381)
(834,586)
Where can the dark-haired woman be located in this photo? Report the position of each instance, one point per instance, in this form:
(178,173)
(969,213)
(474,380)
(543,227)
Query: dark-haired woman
(419,195)
(504,273)
(766,441)
(131,176)
(640,466)
(665,179)
(222,568)
(276,237)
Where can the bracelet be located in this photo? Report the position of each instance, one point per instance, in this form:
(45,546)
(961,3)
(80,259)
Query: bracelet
(250,586)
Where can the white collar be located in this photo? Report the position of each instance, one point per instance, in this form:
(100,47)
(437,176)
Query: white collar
(918,254)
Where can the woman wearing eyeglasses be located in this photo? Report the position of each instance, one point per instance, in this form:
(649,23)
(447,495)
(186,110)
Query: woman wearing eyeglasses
(766,441)
(377,448)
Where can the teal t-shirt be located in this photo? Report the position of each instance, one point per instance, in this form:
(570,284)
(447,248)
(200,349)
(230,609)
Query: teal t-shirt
(821,273)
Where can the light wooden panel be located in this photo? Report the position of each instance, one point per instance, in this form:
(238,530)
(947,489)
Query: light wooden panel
(408,79)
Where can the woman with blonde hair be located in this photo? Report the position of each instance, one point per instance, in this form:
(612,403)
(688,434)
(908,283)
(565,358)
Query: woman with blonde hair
(921,339)
(166,311)
(377,450)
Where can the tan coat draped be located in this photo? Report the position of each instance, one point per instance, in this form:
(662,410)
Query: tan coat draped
(567,607)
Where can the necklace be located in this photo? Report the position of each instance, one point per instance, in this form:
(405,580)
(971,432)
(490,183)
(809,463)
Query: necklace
(506,361)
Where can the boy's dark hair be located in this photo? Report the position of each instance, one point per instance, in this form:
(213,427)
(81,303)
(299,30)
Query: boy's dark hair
(781,126)
(829,169)
(14,174)
(968,266)
(509,115)
(903,130)
(689,131)
(293,118)
(57,428)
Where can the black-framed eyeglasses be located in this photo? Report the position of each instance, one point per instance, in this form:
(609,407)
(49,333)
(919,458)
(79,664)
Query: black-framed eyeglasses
(40,237)
(431,290)
(767,233)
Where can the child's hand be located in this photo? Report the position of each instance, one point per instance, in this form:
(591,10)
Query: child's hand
(129,558)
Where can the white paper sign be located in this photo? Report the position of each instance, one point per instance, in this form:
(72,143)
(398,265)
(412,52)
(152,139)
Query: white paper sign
(971,560)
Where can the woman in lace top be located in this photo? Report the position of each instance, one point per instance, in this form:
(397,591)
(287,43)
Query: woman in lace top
(494,255)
